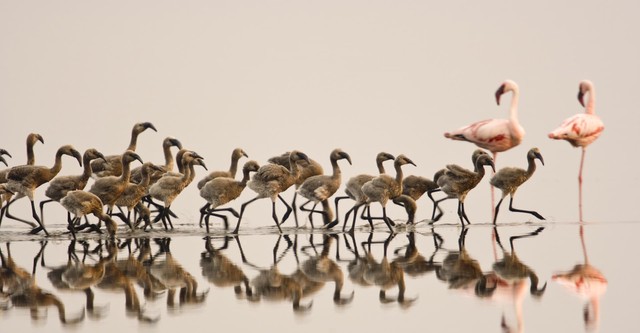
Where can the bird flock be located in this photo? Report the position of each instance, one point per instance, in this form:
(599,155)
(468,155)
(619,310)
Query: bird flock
(150,188)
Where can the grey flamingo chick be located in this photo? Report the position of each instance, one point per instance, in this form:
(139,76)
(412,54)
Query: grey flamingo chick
(321,187)
(457,182)
(270,181)
(306,170)
(81,203)
(113,166)
(474,157)
(32,139)
(23,180)
(110,188)
(354,189)
(221,190)
(231,173)
(133,193)
(167,188)
(385,187)
(167,143)
(509,179)
(415,186)
(59,186)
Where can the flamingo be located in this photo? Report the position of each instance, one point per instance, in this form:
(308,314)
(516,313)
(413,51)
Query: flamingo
(582,129)
(586,282)
(495,135)
(509,179)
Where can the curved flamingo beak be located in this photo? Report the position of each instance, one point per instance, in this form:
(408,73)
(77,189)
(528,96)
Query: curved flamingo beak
(581,97)
(539,156)
(4,152)
(3,160)
(499,93)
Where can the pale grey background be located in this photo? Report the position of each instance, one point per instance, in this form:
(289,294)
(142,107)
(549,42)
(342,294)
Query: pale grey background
(366,76)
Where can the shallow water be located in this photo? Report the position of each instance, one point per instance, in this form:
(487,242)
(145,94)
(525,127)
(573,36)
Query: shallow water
(455,279)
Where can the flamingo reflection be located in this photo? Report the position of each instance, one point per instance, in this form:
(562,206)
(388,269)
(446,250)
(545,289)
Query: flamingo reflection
(509,278)
(173,276)
(270,284)
(75,275)
(20,287)
(588,283)
(367,271)
(220,270)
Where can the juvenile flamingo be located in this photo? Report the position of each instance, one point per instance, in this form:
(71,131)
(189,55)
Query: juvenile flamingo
(495,135)
(581,129)
(23,181)
(236,154)
(509,179)
(385,187)
(457,182)
(113,166)
(321,187)
(354,190)
(272,179)
(221,190)
(32,139)
(305,170)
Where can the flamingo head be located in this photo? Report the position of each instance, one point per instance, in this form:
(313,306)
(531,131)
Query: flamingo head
(584,87)
(505,87)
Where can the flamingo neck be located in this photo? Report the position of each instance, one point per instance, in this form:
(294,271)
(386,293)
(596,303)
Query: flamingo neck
(399,175)
(126,172)
(380,167)
(57,166)
(532,166)
(245,177)
(86,168)
(168,158)
(336,169)
(591,103)
(513,108)
(233,169)
(134,140)
(31,158)
(145,177)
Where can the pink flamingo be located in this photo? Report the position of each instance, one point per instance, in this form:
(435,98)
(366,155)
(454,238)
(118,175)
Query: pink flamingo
(581,129)
(495,135)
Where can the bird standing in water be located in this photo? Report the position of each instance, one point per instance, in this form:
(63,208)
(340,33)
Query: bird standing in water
(581,129)
(509,179)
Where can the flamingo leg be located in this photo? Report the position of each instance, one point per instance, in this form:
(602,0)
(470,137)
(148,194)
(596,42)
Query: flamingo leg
(223,217)
(203,212)
(6,213)
(35,216)
(42,207)
(580,183)
(288,212)
(511,208)
(336,200)
(242,208)
(435,205)
(387,220)
(495,216)
(353,209)
(274,215)
(439,216)
(294,209)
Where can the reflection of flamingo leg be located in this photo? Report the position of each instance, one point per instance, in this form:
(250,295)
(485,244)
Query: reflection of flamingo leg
(580,183)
